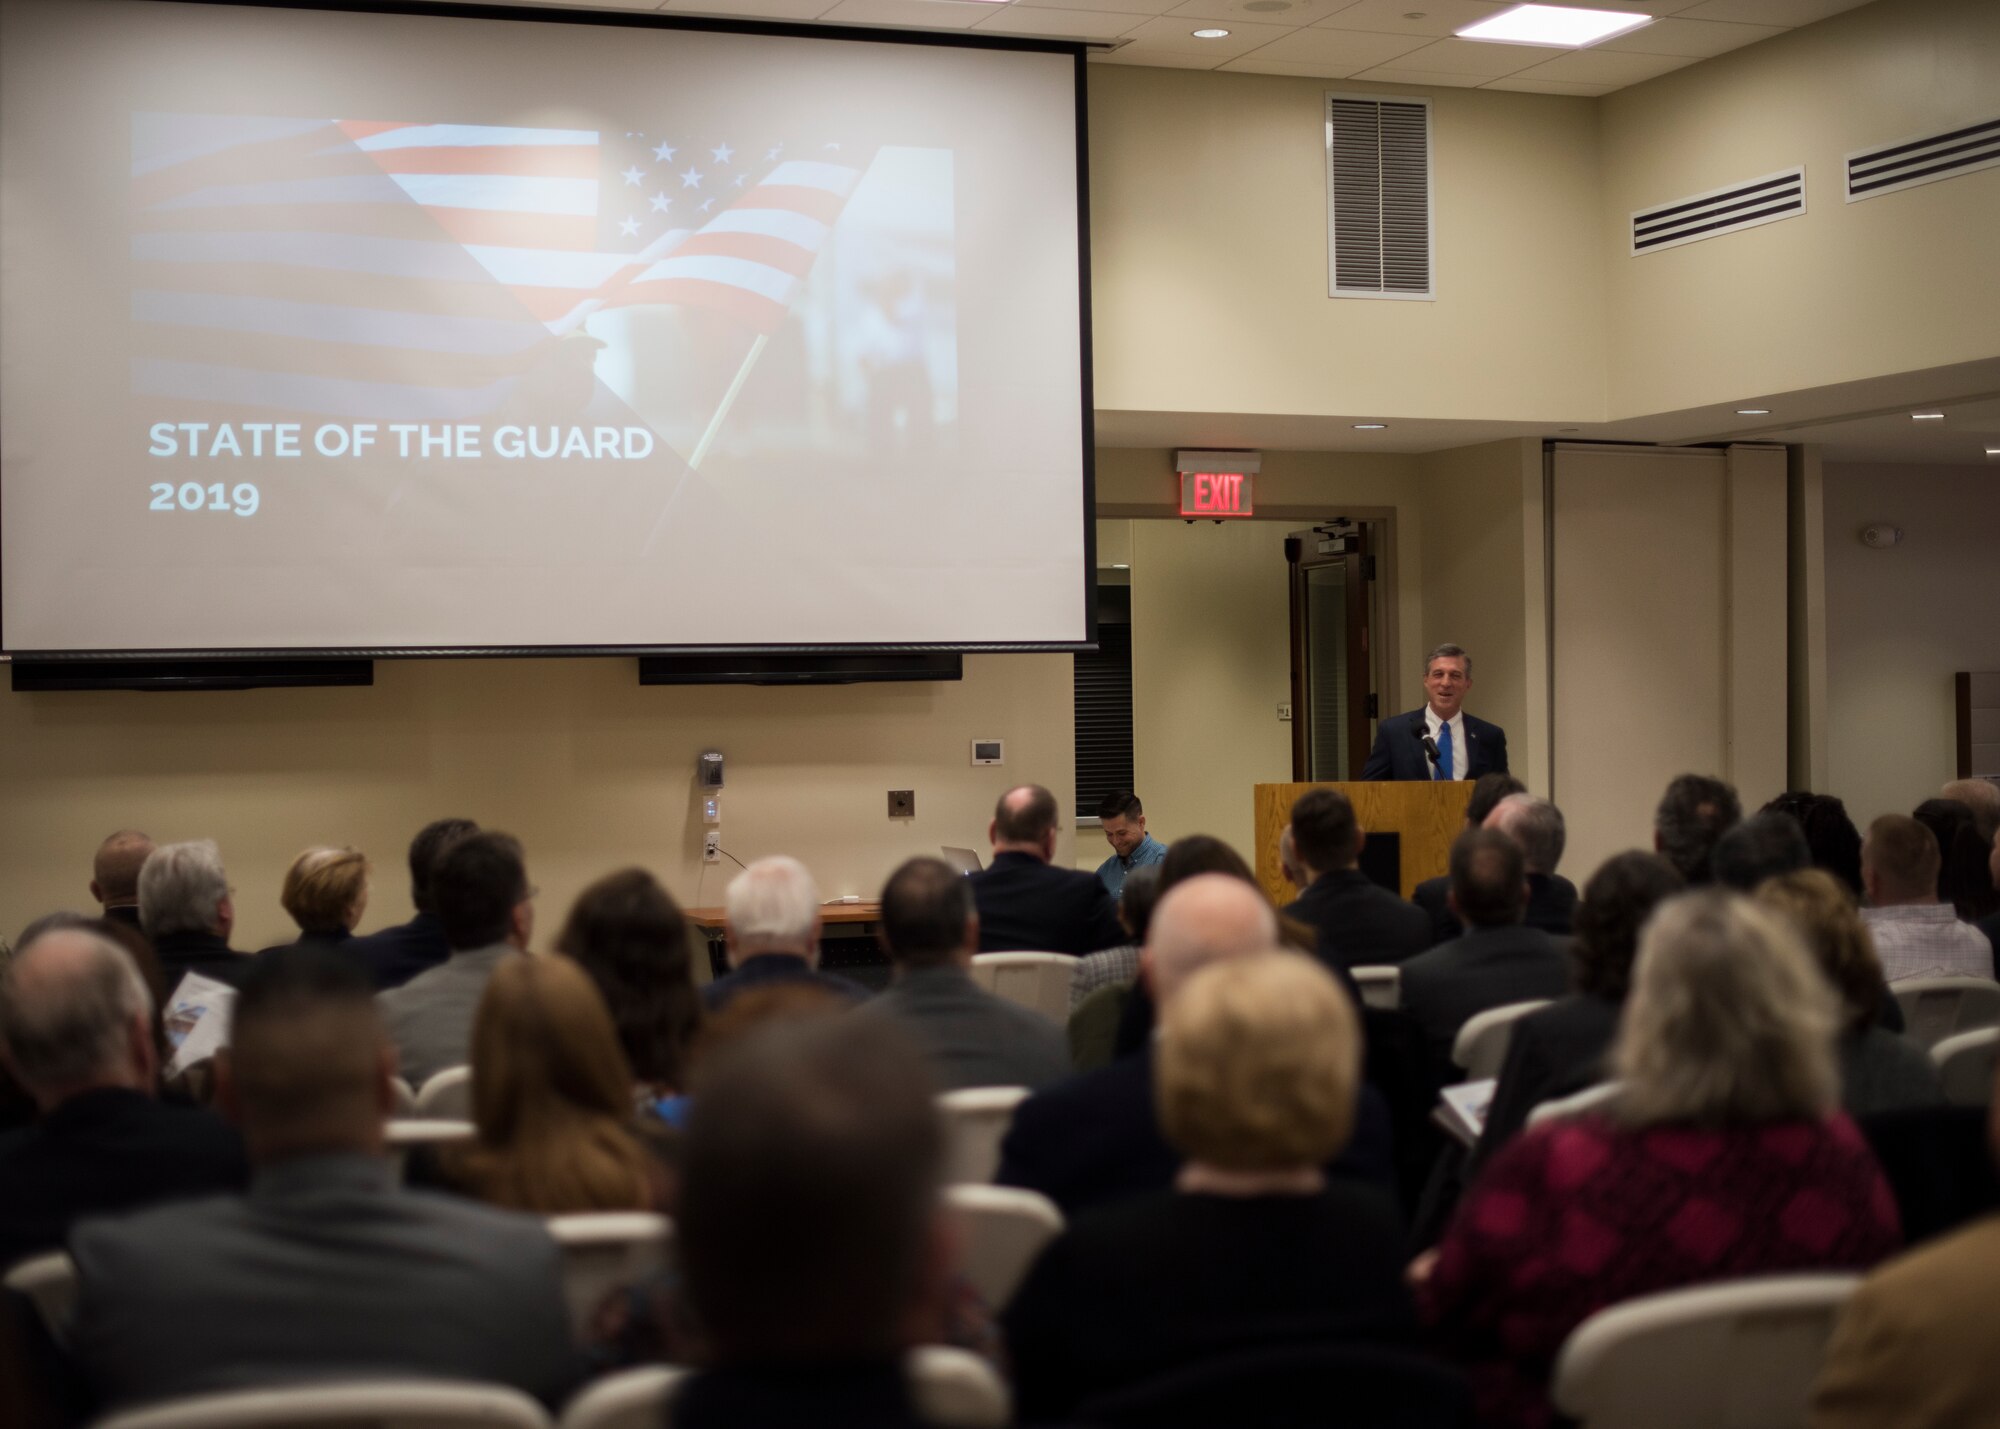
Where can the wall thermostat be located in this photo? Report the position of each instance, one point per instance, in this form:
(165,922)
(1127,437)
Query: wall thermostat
(989,751)
(708,771)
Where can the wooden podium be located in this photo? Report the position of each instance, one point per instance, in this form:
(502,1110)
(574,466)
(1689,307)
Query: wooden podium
(1426,815)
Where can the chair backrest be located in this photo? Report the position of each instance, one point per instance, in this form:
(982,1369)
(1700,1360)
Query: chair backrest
(446,1094)
(1935,1008)
(603,1251)
(1965,1066)
(1742,1354)
(345,1404)
(975,1119)
(50,1282)
(406,1097)
(1038,981)
(406,1133)
(1482,1042)
(1575,1104)
(1368,1386)
(951,1388)
(1381,985)
(1006,1228)
(630,1399)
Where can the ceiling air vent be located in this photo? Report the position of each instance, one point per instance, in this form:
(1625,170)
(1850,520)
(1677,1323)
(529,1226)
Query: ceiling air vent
(1378,196)
(1883,170)
(1720,211)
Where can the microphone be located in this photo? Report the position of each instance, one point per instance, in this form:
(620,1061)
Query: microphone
(1429,744)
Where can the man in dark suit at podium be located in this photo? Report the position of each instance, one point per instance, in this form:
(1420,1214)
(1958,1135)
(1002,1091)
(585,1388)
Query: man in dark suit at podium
(1439,741)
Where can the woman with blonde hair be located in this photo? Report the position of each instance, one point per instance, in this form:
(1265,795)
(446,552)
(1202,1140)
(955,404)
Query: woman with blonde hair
(1725,1155)
(551,1098)
(326,892)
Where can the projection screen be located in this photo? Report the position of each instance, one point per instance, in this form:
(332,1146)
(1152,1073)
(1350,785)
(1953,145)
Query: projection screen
(399,332)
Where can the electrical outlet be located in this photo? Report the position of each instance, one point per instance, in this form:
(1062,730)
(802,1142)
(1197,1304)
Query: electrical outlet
(902,803)
(1284,709)
(711,846)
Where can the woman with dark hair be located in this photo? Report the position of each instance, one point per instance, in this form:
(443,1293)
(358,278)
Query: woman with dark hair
(1830,833)
(627,932)
(1964,880)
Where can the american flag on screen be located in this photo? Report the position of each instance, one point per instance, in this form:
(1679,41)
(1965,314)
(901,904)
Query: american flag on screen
(411,271)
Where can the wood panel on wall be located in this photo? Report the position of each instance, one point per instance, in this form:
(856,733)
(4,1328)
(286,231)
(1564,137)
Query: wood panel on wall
(1426,815)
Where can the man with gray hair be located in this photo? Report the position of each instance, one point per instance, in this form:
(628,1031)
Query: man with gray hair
(76,1032)
(114,874)
(1537,827)
(185,908)
(1096,1138)
(771,922)
(1439,741)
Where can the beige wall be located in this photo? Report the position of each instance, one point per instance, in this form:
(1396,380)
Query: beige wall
(1847,291)
(1900,621)
(592,771)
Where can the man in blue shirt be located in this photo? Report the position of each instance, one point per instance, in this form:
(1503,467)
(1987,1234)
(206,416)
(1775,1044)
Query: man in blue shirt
(1123,820)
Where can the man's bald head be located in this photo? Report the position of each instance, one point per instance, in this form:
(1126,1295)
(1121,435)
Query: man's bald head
(1203,920)
(75,1015)
(1535,825)
(1024,821)
(114,873)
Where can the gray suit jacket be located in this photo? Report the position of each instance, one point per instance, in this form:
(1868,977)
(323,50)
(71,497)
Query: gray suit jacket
(325,1270)
(430,1016)
(972,1038)
(1446,987)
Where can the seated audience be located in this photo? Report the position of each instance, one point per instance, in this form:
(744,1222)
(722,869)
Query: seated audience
(971,1037)
(77,1033)
(1763,846)
(551,1098)
(1962,879)
(486,910)
(1982,798)
(1538,827)
(1725,1155)
(325,892)
(326,1269)
(1915,935)
(1096,1138)
(1560,1050)
(1694,813)
(812,1244)
(1430,895)
(186,909)
(114,875)
(392,956)
(1028,904)
(1990,925)
(1119,966)
(1253,1246)
(771,922)
(1830,834)
(1495,961)
(627,932)
(1356,921)
(1123,819)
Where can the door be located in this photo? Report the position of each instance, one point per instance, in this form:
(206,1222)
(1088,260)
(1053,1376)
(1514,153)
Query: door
(1332,686)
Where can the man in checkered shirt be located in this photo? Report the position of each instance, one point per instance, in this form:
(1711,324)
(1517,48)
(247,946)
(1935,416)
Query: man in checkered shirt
(1915,934)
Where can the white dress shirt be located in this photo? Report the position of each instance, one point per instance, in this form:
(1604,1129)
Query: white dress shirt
(1458,751)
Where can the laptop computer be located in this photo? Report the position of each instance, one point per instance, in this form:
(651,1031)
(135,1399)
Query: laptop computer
(962,859)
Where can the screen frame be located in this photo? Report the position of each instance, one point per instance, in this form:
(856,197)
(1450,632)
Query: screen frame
(653,20)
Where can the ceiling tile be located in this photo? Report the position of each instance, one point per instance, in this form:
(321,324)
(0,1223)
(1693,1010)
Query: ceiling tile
(1521,84)
(1066,24)
(1475,57)
(1436,18)
(755,9)
(1698,39)
(1390,75)
(1769,12)
(1173,34)
(1154,58)
(1596,66)
(1264,12)
(911,14)
(1122,7)
(1251,64)
(1335,53)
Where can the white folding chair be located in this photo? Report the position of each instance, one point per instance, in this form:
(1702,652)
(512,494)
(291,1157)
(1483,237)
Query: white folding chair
(603,1250)
(1935,1008)
(1482,1042)
(1742,1354)
(1575,1104)
(345,1404)
(630,1399)
(1381,984)
(446,1094)
(1965,1066)
(1038,981)
(406,1133)
(50,1282)
(1006,1228)
(952,1388)
(406,1097)
(975,1119)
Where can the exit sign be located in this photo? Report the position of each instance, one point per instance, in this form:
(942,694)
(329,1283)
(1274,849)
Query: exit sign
(1216,493)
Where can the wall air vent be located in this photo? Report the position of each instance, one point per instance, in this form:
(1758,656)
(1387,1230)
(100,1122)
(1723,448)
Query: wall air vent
(1378,197)
(1889,167)
(1720,211)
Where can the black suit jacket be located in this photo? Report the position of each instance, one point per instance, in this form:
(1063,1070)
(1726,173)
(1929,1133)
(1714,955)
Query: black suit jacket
(1026,905)
(1446,987)
(1551,905)
(107,1151)
(1360,922)
(1095,1138)
(1399,749)
(204,953)
(392,956)
(1553,1052)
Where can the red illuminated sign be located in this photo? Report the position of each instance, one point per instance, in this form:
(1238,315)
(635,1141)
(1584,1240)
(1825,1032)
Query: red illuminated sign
(1216,493)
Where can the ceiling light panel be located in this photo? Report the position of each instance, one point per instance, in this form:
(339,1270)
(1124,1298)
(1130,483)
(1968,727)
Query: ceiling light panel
(1553,26)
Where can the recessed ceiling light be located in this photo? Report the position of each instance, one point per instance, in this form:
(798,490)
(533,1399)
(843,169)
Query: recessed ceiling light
(1753,411)
(1370,426)
(1556,26)
(1211,34)
(1927,416)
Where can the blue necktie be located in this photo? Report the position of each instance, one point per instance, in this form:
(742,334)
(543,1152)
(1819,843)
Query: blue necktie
(1444,751)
